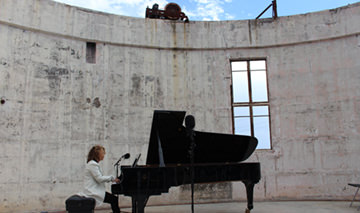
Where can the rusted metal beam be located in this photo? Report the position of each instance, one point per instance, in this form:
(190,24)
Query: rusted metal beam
(274,6)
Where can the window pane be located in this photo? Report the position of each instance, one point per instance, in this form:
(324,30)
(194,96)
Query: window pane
(242,126)
(257,118)
(258,86)
(260,110)
(241,111)
(91,52)
(262,132)
(239,65)
(257,65)
(240,87)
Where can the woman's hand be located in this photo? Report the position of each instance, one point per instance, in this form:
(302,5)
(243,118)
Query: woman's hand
(117,180)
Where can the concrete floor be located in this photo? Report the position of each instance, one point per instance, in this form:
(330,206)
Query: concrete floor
(259,207)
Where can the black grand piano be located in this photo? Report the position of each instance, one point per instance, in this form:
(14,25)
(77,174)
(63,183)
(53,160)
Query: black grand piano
(216,158)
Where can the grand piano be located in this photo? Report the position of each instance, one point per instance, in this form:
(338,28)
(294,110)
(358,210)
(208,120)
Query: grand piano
(177,155)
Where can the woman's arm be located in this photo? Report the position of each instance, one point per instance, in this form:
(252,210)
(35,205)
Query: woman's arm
(97,175)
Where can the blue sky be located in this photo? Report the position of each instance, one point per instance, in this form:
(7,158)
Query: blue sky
(211,10)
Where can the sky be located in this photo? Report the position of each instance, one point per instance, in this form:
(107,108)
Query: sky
(212,10)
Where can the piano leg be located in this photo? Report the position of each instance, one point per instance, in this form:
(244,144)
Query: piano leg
(250,194)
(139,203)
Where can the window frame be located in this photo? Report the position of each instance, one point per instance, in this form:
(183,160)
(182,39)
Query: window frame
(250,103)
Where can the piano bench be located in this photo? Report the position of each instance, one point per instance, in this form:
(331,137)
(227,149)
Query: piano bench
(357,185)
(78,204)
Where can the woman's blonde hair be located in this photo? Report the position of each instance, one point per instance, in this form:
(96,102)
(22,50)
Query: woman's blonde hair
(94,153)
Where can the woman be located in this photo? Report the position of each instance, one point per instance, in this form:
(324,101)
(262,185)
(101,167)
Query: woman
(95,181)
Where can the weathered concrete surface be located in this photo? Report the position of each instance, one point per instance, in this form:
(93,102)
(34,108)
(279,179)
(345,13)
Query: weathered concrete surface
(55,106)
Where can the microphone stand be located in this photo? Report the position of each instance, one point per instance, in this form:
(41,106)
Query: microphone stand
(192,157)
(190,124)
(116,165)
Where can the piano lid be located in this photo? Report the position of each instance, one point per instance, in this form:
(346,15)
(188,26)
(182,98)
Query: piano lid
(167,129)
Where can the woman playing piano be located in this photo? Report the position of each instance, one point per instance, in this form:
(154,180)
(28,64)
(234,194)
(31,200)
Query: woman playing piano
(94,180)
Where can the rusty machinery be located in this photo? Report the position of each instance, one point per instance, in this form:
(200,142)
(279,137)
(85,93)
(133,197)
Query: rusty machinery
(171,11)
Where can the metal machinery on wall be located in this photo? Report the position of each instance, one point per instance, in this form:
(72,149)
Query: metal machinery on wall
(172,11)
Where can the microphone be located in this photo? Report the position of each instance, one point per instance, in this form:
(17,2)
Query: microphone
(126,156)
(190,122)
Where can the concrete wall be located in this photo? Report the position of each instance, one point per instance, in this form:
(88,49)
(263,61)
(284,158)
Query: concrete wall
(55,106)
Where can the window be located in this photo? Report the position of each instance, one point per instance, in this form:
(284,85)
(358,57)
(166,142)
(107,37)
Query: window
(250,103)
(91,52)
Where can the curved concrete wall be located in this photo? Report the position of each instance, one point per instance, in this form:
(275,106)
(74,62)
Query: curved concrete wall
(55,106)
